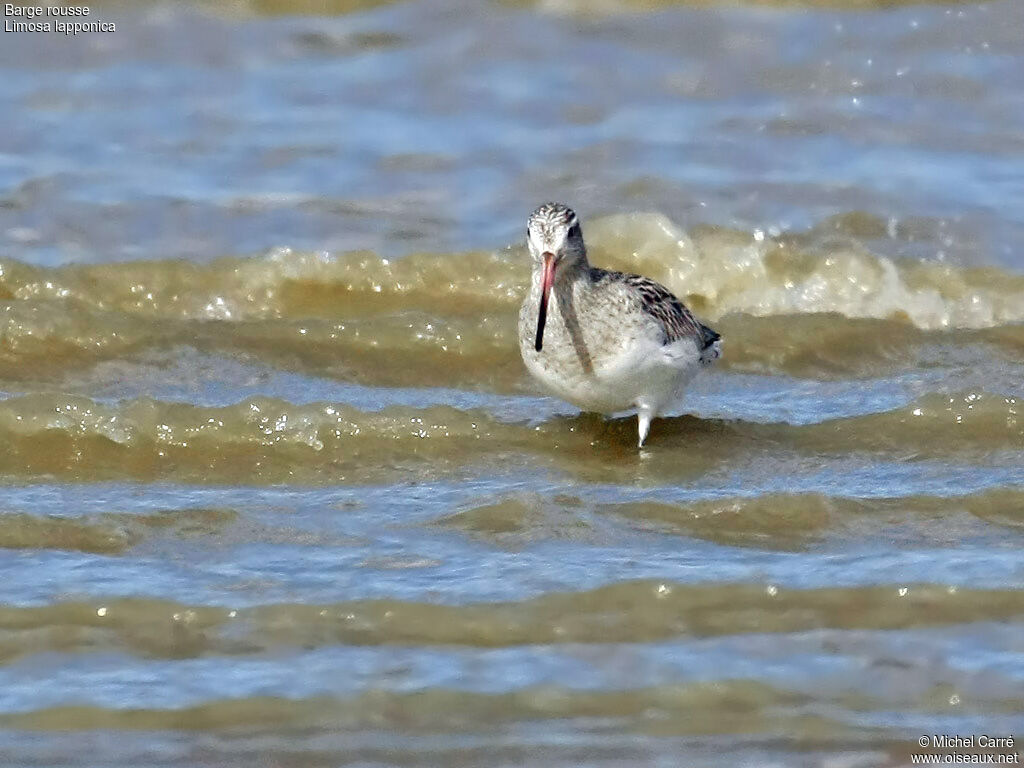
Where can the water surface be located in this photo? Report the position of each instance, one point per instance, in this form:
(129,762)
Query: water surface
(277,489)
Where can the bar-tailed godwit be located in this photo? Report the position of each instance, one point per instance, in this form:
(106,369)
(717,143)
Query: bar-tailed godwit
(604,341)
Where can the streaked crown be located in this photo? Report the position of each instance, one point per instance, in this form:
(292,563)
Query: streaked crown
(550,218)
(554,228)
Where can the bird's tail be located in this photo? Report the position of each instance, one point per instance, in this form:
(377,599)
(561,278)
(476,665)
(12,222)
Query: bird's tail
(711,348)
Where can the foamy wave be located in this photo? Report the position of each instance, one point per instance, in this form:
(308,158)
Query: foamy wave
(722,271)
(717,271)
(266,440)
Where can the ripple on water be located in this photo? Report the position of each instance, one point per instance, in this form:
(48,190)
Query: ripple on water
(306,507)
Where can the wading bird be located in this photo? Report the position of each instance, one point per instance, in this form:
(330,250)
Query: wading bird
(604,341)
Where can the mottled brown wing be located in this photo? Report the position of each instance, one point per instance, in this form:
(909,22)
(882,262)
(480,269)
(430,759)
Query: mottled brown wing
(660,303)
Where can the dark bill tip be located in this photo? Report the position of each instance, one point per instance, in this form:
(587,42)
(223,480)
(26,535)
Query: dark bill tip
(547,278)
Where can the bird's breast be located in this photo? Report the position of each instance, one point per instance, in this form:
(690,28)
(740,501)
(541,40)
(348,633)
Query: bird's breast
(583,348)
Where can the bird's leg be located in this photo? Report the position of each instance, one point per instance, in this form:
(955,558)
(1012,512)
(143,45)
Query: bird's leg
(644,414)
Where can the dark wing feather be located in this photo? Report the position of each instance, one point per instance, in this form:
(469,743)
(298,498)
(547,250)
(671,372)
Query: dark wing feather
(659,302)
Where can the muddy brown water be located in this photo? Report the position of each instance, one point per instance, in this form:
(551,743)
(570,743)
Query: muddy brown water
(277,490)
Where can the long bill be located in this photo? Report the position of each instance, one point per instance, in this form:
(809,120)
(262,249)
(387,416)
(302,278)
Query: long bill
(547,280)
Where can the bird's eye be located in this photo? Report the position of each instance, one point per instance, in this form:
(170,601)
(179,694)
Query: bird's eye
(574,230)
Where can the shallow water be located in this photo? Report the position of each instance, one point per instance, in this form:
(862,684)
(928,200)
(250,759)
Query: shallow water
(277,489)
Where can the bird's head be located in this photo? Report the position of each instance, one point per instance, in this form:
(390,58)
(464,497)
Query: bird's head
(555,241)
(554,229)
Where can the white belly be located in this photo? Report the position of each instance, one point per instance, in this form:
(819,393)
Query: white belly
(643,374)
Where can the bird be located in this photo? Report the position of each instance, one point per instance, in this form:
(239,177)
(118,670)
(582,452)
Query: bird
(604,341)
